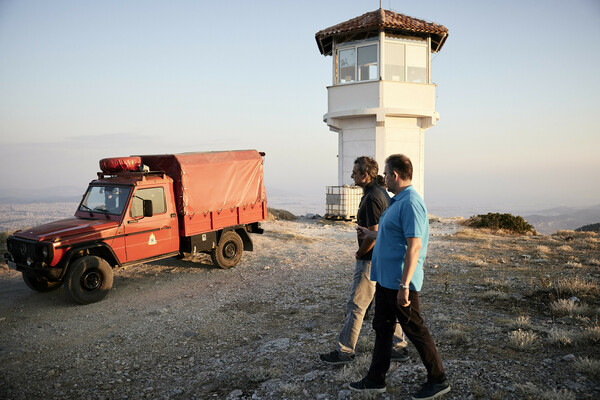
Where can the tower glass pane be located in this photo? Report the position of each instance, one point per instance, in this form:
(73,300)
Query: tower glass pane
(394,62)
(367,63)
(347,66)
(416,64)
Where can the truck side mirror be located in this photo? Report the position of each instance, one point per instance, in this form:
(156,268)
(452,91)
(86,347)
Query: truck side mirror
(148,210)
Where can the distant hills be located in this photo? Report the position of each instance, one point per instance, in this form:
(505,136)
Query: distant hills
(564,218)
(545,221)
(589,228)
(36,195)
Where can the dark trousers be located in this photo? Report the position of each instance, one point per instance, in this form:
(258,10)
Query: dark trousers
(386,312)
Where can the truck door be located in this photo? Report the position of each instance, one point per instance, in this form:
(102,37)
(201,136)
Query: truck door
(151,235)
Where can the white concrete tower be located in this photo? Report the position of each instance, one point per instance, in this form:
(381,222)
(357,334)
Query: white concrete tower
(382,99)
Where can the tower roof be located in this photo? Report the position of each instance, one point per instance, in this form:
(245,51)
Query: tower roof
(389,21)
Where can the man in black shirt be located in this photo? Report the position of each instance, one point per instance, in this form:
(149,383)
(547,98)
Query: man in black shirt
(374,201)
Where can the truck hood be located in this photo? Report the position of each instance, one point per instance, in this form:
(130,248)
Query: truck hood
(65,228)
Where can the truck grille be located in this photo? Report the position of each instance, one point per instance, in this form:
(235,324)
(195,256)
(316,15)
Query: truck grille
(21,249)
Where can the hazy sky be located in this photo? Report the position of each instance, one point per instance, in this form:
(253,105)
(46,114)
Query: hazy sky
(518,93)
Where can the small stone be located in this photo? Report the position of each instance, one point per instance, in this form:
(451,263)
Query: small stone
(234,394)
(344,394)
(569,357)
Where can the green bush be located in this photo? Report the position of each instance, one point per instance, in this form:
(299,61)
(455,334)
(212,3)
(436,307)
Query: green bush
(501,221)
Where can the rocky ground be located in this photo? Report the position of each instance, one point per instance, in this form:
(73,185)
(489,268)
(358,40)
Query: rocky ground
(508,320)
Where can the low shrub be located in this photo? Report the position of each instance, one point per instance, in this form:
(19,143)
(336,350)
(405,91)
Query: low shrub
(497,221)
(275,213)
(3,237)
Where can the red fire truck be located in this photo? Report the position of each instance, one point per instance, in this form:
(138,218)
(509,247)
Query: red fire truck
(143,208)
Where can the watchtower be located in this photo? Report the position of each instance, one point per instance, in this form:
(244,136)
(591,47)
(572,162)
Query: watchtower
(381,99)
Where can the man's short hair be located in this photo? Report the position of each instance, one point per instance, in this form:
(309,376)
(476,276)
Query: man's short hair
(401,164)
(368,165)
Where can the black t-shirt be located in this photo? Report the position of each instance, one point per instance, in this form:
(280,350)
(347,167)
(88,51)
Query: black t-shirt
(373,203)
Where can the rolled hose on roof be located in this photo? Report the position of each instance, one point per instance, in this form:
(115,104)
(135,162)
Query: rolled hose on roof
(120,164)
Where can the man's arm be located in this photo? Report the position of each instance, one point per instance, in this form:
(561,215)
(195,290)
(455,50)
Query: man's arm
(368,243)
(411,259)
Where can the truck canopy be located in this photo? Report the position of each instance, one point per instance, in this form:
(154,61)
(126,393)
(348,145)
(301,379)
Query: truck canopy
(211,182)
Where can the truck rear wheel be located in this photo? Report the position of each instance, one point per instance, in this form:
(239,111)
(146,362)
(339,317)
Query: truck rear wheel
(229,251)
(41,285)
(89,279)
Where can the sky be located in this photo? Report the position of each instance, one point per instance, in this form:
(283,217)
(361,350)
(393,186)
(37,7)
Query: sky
(518,94)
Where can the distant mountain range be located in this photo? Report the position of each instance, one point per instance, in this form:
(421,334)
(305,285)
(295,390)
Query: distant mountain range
(563,218)
(546,221)
(35,195)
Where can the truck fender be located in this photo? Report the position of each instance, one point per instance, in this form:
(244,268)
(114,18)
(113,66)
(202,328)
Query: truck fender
(101,250)
(248,245)
(241,231)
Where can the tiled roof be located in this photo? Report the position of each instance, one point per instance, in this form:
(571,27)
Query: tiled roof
(387,20)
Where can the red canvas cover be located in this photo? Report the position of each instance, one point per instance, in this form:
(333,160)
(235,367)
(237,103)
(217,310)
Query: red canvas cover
(212,181)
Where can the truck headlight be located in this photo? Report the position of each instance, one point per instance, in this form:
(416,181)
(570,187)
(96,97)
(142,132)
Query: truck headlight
(44,252)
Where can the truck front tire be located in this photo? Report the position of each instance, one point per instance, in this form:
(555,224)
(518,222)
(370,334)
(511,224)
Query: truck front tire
(89,279)
(41,285)
(229,251)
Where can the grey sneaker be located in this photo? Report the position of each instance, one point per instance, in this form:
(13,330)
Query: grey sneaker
(400,355)
(335,358)
(432,390)
(366,386)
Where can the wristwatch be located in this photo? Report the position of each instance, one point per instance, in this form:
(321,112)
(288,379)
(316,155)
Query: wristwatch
(403,286)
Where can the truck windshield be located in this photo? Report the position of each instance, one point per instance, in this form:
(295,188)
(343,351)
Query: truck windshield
(105,199)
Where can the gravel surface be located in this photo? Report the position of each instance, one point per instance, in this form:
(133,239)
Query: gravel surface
(183,329)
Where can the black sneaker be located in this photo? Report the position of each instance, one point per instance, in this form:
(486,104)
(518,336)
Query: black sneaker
(400,355)
(335,358)
(366,386)
(432,390)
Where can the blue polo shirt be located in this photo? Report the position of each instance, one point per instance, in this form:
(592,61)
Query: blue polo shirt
(405,217)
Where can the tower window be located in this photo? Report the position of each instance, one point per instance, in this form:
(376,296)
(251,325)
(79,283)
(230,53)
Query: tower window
(406,60)
(358,63)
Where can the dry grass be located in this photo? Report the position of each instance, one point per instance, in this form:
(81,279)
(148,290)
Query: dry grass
(564,307)
(531,392)
(574,264)
(355,371)
(523,340)
(565,248)
(522,322)
(542,249)
(561,337)
(587,366)
(577,286)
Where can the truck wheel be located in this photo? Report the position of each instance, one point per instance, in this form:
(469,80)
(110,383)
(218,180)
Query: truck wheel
(229,251)
(41,285)
(89,279)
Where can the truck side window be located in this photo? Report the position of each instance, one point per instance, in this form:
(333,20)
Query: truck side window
(157,195)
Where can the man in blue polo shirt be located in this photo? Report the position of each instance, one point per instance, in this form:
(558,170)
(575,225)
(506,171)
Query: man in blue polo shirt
(397,267)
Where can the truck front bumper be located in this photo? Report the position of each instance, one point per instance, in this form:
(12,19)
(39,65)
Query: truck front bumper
(37,270)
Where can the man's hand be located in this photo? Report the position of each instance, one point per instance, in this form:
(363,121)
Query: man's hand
(365,233)
(402,298)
